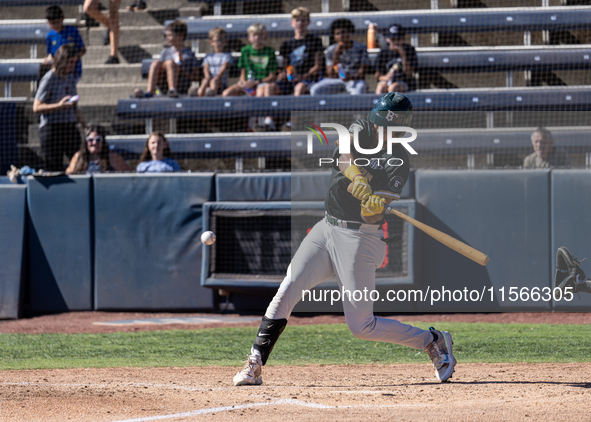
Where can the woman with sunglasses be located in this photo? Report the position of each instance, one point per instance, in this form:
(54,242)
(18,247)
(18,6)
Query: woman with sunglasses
(56,100)
(95,156)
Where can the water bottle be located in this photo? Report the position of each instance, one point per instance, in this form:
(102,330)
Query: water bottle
(396,71)
(340,70)
(250,91)
(371,35)
(177,57)
(290,72)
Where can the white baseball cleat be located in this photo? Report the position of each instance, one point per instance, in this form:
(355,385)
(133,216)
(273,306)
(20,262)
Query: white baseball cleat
(441,354)
(251,374)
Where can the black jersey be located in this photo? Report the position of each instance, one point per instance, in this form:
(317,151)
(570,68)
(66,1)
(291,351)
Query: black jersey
(386,174)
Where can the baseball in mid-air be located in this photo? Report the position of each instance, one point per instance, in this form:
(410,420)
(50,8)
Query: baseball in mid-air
(208,238)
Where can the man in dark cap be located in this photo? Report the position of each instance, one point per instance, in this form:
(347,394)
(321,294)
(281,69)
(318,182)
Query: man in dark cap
(395,66)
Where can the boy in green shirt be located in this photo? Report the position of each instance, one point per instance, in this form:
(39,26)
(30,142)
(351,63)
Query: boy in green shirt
(257,63)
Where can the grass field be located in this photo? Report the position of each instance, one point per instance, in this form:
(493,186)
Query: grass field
(299,345)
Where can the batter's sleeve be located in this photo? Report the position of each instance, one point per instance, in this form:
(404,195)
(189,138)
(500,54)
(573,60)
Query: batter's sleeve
(391,182)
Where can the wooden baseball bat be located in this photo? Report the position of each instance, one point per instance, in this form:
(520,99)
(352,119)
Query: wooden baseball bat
(447,240)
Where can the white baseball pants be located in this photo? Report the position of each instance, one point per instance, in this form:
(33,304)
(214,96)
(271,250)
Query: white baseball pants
(353,256)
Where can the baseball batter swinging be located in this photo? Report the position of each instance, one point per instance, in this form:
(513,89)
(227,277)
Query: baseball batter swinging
(347,243)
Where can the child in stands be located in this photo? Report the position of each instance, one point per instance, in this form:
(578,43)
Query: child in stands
(346,63)
(177,67)
(215,65)
(302,58)
(257,63)
(61,34)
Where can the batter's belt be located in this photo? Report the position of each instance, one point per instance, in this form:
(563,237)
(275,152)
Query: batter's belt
(350,224)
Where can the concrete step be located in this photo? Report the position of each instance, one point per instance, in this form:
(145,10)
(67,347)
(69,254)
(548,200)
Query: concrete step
(36,12)
(20,51)
(127,54)
(169,4)
(18,89)
(105,93)
(129,35)
(141,18)
(193,11)
(103,73)
(99,113)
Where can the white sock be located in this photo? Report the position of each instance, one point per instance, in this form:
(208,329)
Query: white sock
(255,352)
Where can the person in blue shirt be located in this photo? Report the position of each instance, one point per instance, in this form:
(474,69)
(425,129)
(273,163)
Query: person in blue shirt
(157,157)
(61,34)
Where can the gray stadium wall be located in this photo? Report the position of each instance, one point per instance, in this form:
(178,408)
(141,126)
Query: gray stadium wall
(571,224)
(504,214)
(60,243)
(131,242)
(148,248)
(12,244)
(296,186)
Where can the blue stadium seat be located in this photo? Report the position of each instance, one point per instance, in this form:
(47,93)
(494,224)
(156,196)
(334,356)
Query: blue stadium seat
(19,70)
(502,99)
(424,21)
(210,145)
(31,31)
(475,59)
(280,144)
(7,3)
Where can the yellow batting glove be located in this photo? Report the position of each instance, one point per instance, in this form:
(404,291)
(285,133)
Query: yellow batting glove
(374,205)
(361,189)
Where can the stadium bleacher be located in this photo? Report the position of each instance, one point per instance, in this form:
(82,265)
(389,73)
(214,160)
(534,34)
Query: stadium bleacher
(28,31)
(475,59)
(25,3)
(415,22)
(467,142)
(489,96)
(17,71)
(522,99)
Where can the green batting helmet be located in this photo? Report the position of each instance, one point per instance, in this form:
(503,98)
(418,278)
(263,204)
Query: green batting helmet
(393,109)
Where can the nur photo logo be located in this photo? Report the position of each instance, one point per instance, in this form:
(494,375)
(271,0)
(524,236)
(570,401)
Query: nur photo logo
(345,138)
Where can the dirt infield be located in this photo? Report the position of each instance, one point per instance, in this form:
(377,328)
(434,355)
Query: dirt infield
(477,392)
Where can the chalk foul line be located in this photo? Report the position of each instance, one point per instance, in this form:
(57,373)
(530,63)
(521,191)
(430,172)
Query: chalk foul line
(246,406)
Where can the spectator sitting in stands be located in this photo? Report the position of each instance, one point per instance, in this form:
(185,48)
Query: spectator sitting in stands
(111,21)
(395,66)
(157,157)
(215,65)
(94,155)
(56,99)
(137,5)
(545,155)
(177,63)
(257,63)
(302,58)
(346,63)
(61,34)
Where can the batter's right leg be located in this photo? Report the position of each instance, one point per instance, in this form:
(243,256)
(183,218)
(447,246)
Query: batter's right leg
(310,266)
